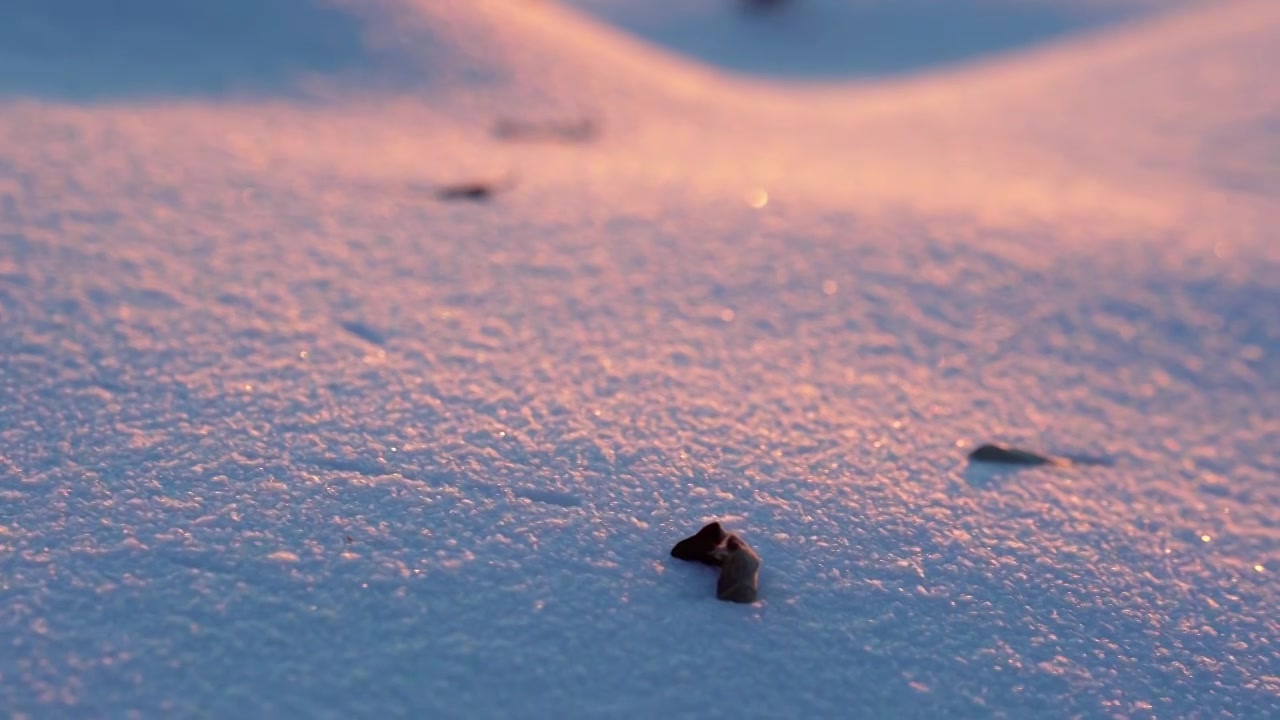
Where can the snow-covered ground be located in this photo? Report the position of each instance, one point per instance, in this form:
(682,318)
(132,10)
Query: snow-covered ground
(283,434)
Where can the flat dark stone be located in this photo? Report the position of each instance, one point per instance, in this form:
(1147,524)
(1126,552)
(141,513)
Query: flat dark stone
(739,574)
(1009,456)
(474,191)
(702,546)
(577,131)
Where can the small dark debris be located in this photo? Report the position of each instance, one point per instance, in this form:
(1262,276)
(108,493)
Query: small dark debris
(761,5)
(739,579)
(702,546)
(739,565)
(1010,456)
(474,191)
(348,540)
(575,131)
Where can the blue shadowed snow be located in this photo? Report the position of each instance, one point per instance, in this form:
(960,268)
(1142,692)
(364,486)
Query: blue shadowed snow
(86,50)
(827,39)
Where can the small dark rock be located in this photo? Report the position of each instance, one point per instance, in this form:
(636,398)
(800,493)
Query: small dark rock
(739,572)
(576,131)
(701,547)
(474,191)
(1010,456)
(739,565)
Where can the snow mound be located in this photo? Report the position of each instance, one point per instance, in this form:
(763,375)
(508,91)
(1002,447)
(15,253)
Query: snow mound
(287,433)
(817,39)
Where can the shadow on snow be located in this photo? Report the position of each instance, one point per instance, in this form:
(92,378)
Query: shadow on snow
(828,39)
(89,50)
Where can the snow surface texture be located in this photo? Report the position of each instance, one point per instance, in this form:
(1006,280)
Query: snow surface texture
(283,435)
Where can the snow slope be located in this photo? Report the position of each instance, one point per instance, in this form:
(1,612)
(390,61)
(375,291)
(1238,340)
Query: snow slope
(834,38)
(282,434)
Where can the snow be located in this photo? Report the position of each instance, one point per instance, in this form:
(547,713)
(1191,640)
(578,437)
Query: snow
(282,434)
(836,38)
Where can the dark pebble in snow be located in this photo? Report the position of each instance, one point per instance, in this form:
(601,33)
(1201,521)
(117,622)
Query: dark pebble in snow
(702,546)
(758,5)
(739,572)
(1010,456)
(475,191)
(577,131)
